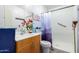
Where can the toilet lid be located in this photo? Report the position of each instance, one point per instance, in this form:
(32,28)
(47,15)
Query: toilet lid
(45,43)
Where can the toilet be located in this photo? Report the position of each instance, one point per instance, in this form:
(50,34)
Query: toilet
(46,45)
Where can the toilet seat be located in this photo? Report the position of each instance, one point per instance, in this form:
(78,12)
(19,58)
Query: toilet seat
(45,43)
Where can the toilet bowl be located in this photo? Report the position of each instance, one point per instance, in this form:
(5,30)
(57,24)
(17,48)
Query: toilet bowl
(46,45)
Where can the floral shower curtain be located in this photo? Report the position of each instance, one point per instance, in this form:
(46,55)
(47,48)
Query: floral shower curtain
(46,26)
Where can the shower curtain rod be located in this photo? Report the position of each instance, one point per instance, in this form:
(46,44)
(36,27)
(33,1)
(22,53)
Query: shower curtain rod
(55,10)
(58,9)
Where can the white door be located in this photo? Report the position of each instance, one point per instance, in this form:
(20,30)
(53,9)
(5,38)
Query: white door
(62,29)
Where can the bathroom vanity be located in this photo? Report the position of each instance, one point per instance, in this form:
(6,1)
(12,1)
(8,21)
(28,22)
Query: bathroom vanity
(28,43)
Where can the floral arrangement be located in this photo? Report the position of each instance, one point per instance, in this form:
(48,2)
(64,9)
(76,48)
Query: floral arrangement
(27,24)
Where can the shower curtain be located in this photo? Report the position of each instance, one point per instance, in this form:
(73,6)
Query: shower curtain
(46,26)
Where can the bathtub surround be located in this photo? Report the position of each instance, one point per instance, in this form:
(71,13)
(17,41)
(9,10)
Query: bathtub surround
(64,36)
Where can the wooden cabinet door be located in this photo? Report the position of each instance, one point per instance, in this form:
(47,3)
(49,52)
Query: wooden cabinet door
(26,49)
(36,44)
(30,45)
(24,46)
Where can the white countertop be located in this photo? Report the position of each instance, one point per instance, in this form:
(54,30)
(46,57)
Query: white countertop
(19,37)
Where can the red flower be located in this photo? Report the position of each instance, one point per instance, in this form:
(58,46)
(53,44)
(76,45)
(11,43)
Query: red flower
(30,20)
(26,22)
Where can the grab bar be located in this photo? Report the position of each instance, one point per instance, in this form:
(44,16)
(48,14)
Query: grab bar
(61,25)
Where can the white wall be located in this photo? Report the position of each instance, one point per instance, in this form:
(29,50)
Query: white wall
(36,9)
(63,37)
(8,14)
(1,16)
(19,13)
(26,11)
(8,21)
(13,11)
